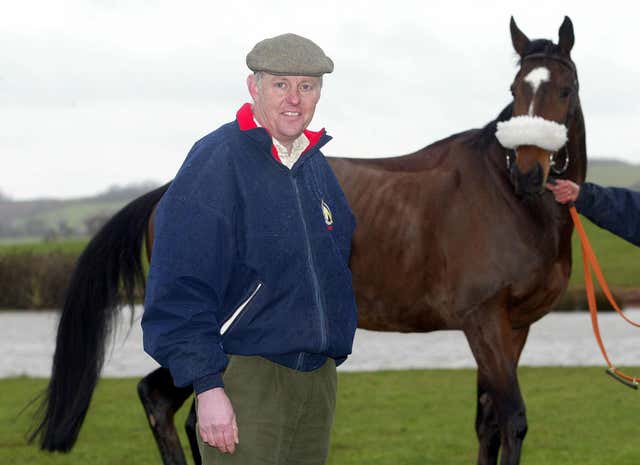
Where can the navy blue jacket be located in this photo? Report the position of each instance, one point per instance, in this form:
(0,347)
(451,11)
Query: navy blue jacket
(613,208)
(246,247)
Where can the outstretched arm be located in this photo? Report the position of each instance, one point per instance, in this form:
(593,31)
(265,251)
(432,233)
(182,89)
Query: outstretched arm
(613,208)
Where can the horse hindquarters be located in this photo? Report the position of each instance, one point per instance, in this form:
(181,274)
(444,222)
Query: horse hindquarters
(501,422)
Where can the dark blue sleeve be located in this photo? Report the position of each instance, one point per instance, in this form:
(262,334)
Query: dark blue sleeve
(613,208)
(190,266)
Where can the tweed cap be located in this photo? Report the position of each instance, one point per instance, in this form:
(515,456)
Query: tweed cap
(289,55)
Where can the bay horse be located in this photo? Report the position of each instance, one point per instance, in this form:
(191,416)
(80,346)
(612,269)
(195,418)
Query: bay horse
(458,235)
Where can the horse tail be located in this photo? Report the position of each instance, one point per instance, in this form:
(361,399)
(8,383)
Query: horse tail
(104,280)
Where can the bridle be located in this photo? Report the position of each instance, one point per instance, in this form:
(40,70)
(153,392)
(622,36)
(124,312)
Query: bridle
(558,164)
(554,159)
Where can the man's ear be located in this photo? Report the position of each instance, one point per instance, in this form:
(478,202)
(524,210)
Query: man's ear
(252,85)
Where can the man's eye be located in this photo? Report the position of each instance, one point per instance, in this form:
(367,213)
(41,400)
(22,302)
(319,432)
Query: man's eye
(306,87)
(280,85)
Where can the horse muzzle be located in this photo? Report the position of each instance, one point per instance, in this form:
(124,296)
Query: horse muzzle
(530,182)
(534,140)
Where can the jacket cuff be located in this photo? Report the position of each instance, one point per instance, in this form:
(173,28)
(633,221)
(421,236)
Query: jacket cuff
(208,382)
(340,360)
(586,196)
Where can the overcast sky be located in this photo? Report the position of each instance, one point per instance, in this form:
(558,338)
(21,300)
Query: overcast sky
(103,92)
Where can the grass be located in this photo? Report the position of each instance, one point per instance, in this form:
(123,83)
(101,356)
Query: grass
(67,247)
(10,241)
(576,416)
(620,260)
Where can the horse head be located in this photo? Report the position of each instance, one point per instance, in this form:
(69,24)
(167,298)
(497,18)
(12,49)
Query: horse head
(545,112)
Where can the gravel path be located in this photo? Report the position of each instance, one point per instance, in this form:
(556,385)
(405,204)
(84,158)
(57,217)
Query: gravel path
(27,341)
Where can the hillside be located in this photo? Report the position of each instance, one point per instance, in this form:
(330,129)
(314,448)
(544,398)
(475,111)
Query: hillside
(57,218)
(609,172)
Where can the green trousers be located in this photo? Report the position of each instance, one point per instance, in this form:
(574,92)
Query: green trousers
(284,416)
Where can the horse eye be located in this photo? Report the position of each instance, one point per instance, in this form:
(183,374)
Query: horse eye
(511,89)
(565,92)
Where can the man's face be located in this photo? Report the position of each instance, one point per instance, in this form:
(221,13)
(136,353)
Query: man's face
(284,105)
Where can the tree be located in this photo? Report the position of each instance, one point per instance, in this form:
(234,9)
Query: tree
(95,222)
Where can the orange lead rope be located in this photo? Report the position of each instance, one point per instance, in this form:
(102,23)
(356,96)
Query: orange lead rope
(591,262)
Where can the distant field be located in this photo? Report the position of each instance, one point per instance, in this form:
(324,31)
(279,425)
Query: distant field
(417,417)
(613,173)
(53,217)
(19,240)
(73,214)
(68,247)
(39,216)
(619,259)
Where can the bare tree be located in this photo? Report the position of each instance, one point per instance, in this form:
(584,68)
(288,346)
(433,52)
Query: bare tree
(95,222)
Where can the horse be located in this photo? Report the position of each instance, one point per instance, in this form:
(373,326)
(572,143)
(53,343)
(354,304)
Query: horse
(460,235)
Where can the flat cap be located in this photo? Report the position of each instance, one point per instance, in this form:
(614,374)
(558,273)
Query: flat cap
(289,55)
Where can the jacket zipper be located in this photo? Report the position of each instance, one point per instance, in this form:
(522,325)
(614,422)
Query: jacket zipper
(312,271)
(239,311)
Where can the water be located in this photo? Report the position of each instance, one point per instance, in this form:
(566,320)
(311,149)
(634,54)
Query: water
(559,339)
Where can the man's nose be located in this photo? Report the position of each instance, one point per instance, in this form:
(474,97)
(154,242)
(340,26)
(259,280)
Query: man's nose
(293,97)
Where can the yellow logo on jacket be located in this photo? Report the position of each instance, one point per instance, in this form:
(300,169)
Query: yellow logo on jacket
(328,216)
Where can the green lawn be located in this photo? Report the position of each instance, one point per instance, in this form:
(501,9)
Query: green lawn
(620,260)
(420,417)
(68,246)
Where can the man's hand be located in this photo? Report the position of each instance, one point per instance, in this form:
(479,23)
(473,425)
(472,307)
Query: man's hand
(217,420)
(564,191)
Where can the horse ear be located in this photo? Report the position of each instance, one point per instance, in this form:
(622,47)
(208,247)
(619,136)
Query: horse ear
(566,36)
(519,40)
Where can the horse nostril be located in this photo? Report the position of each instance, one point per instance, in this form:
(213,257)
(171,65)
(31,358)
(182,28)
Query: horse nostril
(530,182)
(537,174)
(514,177)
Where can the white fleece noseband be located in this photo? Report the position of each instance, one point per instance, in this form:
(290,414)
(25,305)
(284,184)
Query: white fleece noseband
(531,130)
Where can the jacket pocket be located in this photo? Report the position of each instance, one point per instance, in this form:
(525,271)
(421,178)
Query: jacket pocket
(237,314)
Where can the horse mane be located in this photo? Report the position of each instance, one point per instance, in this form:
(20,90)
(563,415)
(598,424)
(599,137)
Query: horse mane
(486,135)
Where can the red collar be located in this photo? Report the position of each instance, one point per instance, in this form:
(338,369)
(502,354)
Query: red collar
(246,122)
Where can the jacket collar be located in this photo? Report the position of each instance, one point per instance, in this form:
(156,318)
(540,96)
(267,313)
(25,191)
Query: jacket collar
(246,122)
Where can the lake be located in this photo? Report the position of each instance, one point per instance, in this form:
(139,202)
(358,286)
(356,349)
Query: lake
(558,339)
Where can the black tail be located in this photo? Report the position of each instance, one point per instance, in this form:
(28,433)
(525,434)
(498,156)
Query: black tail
(105,278)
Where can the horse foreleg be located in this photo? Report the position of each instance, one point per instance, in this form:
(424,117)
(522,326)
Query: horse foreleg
(501,422)
(161,399)
(487,427)
(190,428)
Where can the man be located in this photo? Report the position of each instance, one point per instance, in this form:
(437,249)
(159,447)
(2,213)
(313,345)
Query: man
(249,295)
(612,208)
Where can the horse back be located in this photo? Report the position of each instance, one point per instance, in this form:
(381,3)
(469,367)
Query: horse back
(438,232)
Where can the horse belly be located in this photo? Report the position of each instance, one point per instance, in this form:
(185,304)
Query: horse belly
(398,268)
